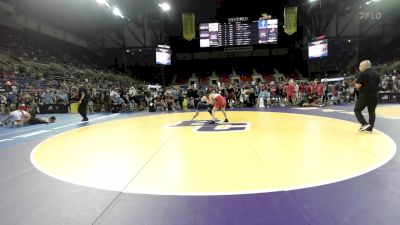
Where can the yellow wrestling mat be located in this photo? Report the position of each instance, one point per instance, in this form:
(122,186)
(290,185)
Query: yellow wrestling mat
(389,112)
(257,152)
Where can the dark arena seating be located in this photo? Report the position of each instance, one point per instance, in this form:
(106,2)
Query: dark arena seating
(34,64)
(199,112)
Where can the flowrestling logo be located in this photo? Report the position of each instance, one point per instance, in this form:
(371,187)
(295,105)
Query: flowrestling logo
(204,126)
(370,15)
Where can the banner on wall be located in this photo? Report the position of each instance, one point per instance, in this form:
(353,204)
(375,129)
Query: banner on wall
(189,31)
(290,20)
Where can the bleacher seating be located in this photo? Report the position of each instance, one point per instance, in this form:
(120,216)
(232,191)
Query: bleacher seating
(246,78)
(293,76)
(203,79)
(182,78)
(224,79)
(268,78)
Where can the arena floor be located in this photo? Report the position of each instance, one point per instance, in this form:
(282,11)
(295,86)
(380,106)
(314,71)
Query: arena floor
(268,166)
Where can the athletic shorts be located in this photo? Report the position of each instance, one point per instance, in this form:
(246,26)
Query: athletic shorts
(202,106)
(219,102)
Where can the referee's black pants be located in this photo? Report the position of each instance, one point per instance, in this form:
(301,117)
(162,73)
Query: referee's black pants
(370,101)
(82,109)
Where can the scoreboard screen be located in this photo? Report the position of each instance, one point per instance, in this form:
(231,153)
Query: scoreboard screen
(238,33)
(163,56)
(318,49)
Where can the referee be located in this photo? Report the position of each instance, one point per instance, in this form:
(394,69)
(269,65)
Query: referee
(368,85)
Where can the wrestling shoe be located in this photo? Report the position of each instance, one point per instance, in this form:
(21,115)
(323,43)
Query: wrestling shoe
(365,127)
(368,130)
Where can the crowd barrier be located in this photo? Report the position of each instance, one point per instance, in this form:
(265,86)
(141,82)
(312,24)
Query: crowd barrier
(61,108)
(53,108)
(74,107)
(389,97)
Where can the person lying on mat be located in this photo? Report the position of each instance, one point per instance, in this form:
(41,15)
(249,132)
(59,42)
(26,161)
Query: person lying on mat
(16,118)
(21,118)
(41,120)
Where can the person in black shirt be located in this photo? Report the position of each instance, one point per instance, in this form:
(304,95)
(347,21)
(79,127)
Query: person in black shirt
(34,120)
(367,84)
(83,97)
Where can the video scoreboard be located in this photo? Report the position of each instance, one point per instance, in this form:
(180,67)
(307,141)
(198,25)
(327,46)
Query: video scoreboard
(238,33)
